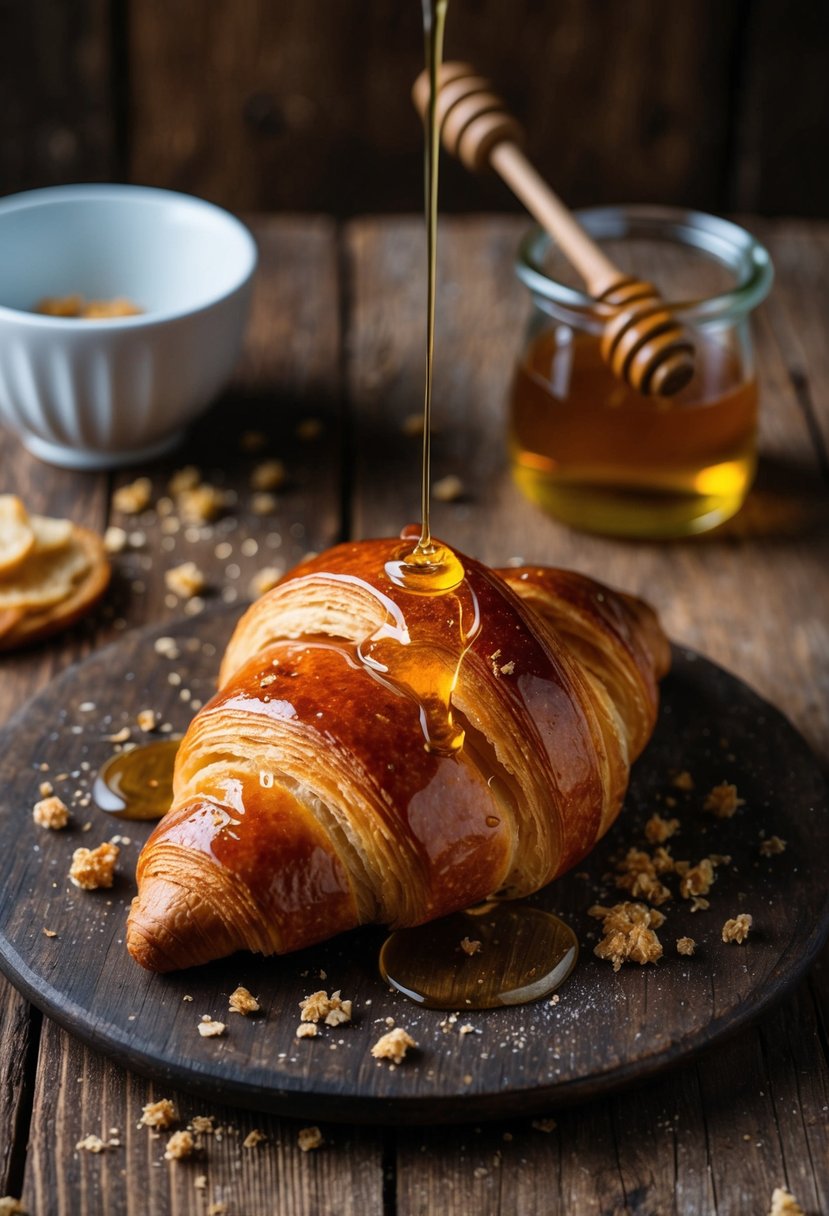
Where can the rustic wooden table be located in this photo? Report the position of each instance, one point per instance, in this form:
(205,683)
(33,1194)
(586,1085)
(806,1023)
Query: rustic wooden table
(336,335)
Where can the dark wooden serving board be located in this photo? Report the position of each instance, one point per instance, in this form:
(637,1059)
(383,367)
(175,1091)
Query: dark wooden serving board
(605,1030)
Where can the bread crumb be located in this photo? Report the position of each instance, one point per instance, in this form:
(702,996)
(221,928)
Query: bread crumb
(269,475)
(115,539)
(737,929)
(208,1029)
(49,933)
(307,1030)
(697,879)
(638,875)
(120,736)
(393,1045)
(508,668)
(320,1007)
(544,1125)
(264,580)
(628,934)
(134,498)
(470,945)
(783,1203)
(92,869)
(685,945)
(11,1207)
(412,425)
(263,503)
(202,1125)
(200,1183)
(683,781)
(159,1114)
(51,812)
(448,489)
(45,789)
(244,1002)
(180,1145)
(201,505)
(723,801)
(91,1144)
(185,580)
(658,830)
(147,720)
(772,846)
(467,1028)
(184,479)
(253,1138)
(217,1209)
(309,1138)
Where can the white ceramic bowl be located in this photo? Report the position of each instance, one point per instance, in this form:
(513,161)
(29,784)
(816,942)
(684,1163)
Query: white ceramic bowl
(90,394)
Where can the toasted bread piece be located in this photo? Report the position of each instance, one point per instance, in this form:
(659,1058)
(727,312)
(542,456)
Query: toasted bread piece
(17,537)
(90,584)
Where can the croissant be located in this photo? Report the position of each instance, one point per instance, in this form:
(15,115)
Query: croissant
(306,797)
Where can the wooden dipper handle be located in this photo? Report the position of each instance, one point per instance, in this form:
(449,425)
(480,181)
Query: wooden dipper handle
(643,343)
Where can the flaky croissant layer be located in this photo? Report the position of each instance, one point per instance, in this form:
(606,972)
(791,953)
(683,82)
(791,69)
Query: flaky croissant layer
(309,796)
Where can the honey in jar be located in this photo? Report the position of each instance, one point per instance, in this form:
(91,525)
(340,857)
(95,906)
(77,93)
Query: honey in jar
(598,455)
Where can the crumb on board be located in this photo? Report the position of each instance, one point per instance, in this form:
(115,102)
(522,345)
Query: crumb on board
(202,1125)
(210,1029)
(638,875)
(783,1203)
(470,945)
(200,1182)
(263,503)
(412,425)
(184,479)
(92,869)
(201,504)
(264,580)
(269,475)
(133,498)
(9,1206)
(180,1145)
(307,1030)
(309,1138)
(147,720)
(629,934)
(772,846)
(683,781)
(242,1001)
(115,539)
(45,789)
(51,812)
(159,1114)
(544,1125)
(448,489)
(49,933)
(658,830)
(320,1007)
(91,1144)
(253,1138)
(685,945)
(737,928)
(393,1045)
(185,580)
(723,800)
(120,736)
(698,879)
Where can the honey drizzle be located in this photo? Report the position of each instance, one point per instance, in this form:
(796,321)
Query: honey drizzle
(137,784)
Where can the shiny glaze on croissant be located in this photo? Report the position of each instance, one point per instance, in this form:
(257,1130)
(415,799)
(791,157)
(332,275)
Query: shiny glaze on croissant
(306,803)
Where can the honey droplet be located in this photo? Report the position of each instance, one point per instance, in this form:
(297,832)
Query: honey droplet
(525,953)
(138,784)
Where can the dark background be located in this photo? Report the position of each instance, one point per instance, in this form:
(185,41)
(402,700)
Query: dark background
(304,104)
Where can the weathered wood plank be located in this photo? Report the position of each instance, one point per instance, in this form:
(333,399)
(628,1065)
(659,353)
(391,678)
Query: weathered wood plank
(676,1146)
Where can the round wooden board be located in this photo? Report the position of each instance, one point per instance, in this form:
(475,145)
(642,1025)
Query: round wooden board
(606,1029)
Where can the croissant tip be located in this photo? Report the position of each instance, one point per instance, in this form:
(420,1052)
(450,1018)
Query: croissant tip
(170,928)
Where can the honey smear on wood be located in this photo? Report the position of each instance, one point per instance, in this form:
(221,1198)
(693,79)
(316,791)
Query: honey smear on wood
(138,783)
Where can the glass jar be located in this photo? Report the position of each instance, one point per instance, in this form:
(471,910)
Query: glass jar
(598,455)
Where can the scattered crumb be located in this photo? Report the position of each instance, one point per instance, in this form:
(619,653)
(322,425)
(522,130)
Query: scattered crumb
(628,933)
(45,789)
(723,801)
(309,1138)
(115,539)
(11,1207)
(179,1146)
(697,880)
(184,479)
(412,425)
(120,736)
(253,1138)
(242,1001)
(507,668)
(208,1029)
(544,1125)
(91,1144)
(772,846)
(685,945)
(51,812)
(269,475)
(187,998)
(683,781)
(202,1125)
(448,489)
(320,1007)
(737,929)
(658,830)
(470,945)
(185,580)
(263,503)
(783,1203)
(201,505)
(49,933)
(217,1209)
(638,875)
(467,1028)
(307,1030)
(393,1045)
(134,498)
(264,580)
(159,1114)
(94,868)
(147,720)
(200,1183)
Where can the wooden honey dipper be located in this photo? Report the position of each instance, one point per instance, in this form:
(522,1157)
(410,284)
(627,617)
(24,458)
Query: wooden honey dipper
(642,342)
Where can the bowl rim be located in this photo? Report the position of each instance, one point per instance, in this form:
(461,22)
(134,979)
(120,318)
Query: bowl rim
(27,199)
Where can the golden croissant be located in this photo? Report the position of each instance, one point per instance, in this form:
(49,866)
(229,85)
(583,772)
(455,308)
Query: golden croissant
(307,799)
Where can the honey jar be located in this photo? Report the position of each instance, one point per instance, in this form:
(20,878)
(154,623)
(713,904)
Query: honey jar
(593,452)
